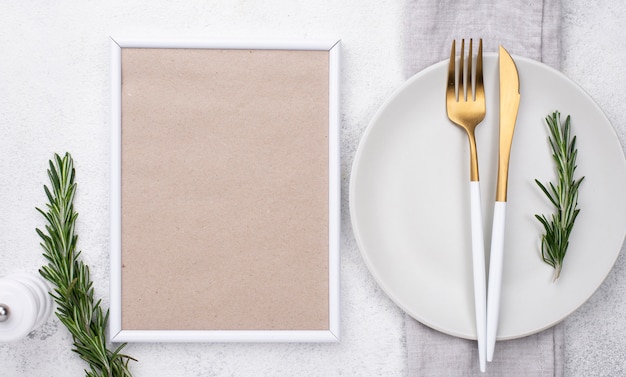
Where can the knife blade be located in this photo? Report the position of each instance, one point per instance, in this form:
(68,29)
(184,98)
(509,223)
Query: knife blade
(509,106)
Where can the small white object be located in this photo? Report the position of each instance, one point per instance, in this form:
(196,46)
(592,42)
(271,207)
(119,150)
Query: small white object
(495,276)
(26,303)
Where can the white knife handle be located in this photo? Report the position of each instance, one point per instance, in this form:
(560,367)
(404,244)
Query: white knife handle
(495,276)
(480,284)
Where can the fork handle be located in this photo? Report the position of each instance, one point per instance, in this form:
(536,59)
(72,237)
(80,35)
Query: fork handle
(495,276)
(478,259)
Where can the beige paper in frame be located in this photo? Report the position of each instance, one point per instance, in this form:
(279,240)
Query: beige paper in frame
(225,191)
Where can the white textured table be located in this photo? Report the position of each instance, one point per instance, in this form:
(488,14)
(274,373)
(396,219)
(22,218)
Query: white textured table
(54,97)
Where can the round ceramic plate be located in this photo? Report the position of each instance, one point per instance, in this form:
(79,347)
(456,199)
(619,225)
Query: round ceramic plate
(409,201)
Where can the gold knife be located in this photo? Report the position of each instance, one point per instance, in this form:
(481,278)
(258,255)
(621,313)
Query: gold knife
(509,105)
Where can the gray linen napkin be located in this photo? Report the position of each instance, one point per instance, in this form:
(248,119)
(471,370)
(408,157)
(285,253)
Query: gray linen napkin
(530,29)
(432,354)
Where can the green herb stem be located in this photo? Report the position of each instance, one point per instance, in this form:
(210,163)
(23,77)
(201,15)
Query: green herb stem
(563,195)
(73,288)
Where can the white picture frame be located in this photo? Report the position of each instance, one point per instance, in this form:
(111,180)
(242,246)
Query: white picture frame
(117,331)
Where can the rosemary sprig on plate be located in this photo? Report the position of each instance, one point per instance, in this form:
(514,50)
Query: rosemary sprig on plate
(73,292)
(564,195)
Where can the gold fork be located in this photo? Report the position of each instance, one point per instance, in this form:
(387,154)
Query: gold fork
(467,109)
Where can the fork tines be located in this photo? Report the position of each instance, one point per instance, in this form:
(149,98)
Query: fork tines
(466,83)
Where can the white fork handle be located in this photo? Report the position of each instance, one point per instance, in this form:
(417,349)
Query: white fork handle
(495,276)
(480,284)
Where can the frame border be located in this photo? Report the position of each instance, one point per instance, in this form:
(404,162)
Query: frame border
(116,333)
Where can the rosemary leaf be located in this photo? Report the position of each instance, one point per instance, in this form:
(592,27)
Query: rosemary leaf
(563,194)
(73,289)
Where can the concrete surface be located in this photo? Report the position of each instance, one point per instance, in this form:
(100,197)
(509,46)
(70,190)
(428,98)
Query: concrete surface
(54,97)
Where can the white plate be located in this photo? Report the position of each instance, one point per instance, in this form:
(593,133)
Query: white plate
(409,202)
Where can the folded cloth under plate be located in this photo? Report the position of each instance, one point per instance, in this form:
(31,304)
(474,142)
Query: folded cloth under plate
(530,29)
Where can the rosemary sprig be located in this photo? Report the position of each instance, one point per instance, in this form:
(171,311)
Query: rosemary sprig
(73,291)
(564,196)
